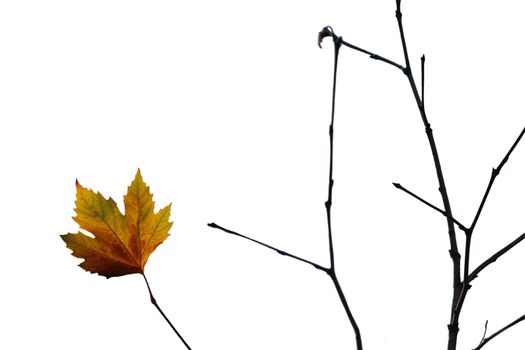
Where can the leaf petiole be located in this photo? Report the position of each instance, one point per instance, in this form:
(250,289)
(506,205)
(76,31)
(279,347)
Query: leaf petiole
(154,302)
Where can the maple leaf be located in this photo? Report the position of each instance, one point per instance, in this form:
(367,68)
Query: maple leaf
(121,244)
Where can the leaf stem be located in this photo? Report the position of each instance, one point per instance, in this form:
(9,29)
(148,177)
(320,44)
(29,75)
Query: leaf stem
(154,302)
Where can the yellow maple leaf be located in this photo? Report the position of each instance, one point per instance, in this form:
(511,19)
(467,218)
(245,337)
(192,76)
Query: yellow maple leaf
(121,244)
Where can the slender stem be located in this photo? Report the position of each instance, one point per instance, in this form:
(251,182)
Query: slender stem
(468,234)
(282,252)
(495,173)
(484,341)
(328,31)
(342,297)
(373,55)
(469,277)
(484,332)
(423,80)
(460,288)
(454,253)
(402,188)
(329,271)
(154,302)
(328,204)
(493,258)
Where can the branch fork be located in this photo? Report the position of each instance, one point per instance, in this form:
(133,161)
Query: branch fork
(461,286)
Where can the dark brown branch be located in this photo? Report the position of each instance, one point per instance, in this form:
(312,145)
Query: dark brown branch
(351,318)
(423,80)
(328,204)
(495,173)
(466,272)
(329,271)
(454,253)
(154,302)
(373,56)
(493,258)
(468,235)
(282,252)
(328,31)
(484,341)
(402,188)
(460,287)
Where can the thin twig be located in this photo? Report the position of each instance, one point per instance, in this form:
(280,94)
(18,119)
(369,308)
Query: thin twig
(468,277)
(493,258)
(468,235)
(454,253)
(373,55)
(402,188)
(328,204)
(328,31)
(423,80)
(329,271)
(495,173)
(282,252)
(351,318)
(154,302)
(484,333)
(489,338)
(459,288)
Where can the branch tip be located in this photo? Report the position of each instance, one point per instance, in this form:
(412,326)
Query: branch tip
(326,31)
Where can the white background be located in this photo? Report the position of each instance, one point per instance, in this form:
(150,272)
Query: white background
(224,106)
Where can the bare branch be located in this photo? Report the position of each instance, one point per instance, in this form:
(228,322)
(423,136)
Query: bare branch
(423,80)
(472,276)
(454,253)
(484,341)
(495,173)
(328,31)
(484,333)
(402,188)
(282,252)
(373,56)
(328,204)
